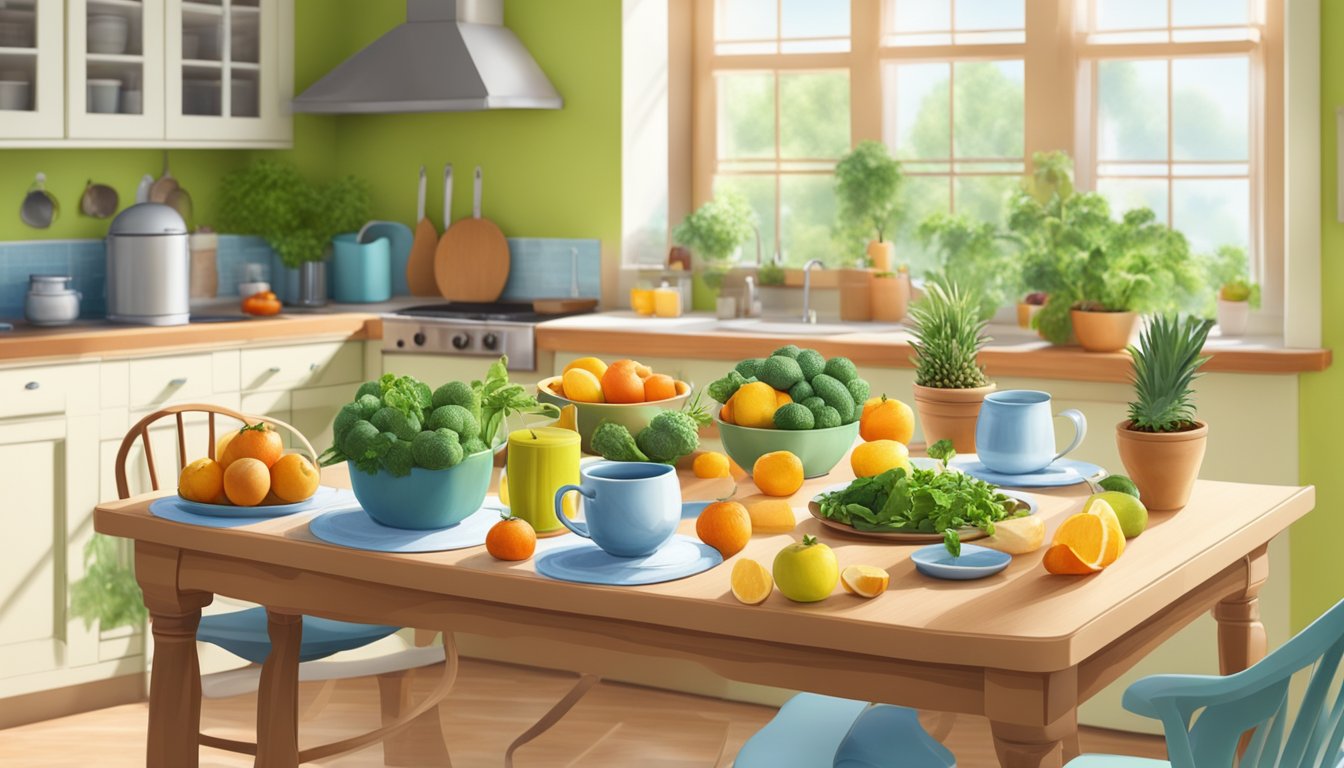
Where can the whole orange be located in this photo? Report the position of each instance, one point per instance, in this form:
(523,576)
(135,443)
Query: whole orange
(725,526)
(622,382)
(778,473)
(202,480)
(257,441)
(710,464)
(294,478)
(885,419)
(246,482)
(659,386)
(222,444)
(512,538)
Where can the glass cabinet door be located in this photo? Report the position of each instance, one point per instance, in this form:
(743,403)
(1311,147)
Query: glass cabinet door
(32,93)
(115,70)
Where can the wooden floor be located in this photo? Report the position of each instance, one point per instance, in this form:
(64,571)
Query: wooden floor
(614,725)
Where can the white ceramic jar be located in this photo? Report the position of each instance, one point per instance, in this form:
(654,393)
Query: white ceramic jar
(51,300)
(1233,317)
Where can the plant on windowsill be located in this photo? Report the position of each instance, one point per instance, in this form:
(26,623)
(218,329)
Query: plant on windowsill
(1236,299)
(975,253)
(1161,443)
(770,275)
(714,232)
(950,383)
(867,183)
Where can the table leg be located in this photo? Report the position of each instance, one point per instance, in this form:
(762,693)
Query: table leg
(278,694)
(1033,717)
(1241,636)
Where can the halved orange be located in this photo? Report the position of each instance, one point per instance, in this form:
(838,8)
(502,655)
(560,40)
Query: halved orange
(1082,544)
(1064,559)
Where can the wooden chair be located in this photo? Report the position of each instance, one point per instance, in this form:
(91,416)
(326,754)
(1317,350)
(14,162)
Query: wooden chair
(412,735)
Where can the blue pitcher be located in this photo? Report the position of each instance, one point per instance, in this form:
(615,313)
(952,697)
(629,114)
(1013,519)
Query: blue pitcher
(1015,434)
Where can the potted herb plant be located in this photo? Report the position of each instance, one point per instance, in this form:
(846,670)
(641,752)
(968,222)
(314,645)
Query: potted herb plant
(867,181)
(297,217)
(1236,299)
(1161,443)
(714,231)
(950,383)
(1028,307)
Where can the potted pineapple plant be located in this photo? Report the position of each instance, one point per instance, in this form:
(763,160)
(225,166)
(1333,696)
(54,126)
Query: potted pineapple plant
(1161,443)
(950,383)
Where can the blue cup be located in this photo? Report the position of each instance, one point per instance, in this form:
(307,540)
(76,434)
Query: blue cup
(630,508)
(1015,434)
(361,272)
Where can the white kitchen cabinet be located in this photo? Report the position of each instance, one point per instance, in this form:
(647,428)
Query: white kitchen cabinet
(114,69)
(314,409)
(32,70)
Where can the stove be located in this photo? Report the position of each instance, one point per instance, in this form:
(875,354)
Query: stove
(467,329)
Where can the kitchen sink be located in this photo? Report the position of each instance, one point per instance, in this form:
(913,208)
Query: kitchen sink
(779,326)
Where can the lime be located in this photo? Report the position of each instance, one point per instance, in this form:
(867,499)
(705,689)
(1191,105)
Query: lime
(1119,484)
(1131,513)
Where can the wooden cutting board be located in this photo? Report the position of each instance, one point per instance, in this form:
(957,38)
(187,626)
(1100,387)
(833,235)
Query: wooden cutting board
(472,260)
(420,264)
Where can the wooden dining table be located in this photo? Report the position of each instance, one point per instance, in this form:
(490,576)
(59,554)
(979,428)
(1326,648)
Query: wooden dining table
(1023,648)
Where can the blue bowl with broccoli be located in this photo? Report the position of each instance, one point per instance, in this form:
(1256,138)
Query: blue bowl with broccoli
(819,449)
(426,498)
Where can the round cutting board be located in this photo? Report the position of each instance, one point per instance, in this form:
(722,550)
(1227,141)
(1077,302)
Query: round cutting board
(472,260)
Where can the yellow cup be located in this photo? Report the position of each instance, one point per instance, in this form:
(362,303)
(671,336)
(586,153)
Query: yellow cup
(541,460)
(667,302)
(641,300)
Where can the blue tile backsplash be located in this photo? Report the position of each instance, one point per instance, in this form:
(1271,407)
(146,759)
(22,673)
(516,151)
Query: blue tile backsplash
(540,268)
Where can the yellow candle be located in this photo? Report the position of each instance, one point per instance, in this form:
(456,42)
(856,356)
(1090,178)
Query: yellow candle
(540,461)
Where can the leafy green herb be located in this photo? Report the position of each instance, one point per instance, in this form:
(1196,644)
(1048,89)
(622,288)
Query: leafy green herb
(942,450)
(500,398)
(406,394)
(697,410)
(922,501)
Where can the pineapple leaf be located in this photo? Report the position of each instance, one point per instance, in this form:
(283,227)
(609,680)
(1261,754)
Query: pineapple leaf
(1166,364)
(948,335)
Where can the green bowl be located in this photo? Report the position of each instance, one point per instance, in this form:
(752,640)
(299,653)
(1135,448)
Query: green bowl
(819,449)
(633,416)
(426,498)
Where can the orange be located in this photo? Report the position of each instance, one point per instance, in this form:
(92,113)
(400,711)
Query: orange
(659,386)
(726,412)
(754,405)
(257,441)
(751,582)
(202,480)
(1065,560)
(582,386)
(223,443)
(778,474)
(710,464)
(771,516)
(512,538)
(782,399)
(622,382)
(1086,542)
(247,481)
(293,478)
(725,526)
(592,365)
(885,419)
(864,580)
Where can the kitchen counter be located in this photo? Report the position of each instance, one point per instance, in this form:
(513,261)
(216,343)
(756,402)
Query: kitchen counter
(1013,351)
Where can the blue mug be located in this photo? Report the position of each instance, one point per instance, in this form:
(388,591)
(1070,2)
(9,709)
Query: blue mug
(1015,434)
(630,508)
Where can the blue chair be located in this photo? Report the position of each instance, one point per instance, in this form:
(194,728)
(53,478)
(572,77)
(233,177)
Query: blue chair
(245,633)
(1205,717)
(813,731)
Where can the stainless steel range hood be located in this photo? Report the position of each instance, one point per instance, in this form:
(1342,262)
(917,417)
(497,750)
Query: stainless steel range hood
(449,56)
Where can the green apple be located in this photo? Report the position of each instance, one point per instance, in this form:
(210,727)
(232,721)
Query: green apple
(1130,511)
(806,571)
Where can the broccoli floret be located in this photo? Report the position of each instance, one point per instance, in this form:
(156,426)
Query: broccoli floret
(363,445)
(454,393)
(389,419)
(399,459)
(436,450)
(368,405)
(749,368)
(473,446)
(841,368)
(827,417)
(780,372)
(801,391)
(669,436)
(719,391)
(859,390)
(794,416)
(790,351)
(614,442)
(346,418)
(836,395)
(812,363)
(374,388)
(456,418)
(813,403)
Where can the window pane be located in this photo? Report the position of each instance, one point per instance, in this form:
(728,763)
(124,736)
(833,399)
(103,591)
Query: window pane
(745,20)
(918,15)
(807,218)
(1211,108)
(916,104)
(1203,13)
(1128,194)
(1132,110)
(746,115)
(1132,14)
(989,109)
(982,197)
(1212,213)
(760,192)
(815,18)
(990,14)
(921,197)
(814,114)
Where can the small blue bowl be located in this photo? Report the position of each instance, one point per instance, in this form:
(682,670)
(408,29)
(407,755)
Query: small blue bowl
(974,563)
(427,498)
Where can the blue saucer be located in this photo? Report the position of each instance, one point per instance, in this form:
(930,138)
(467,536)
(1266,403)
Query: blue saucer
(975,562)
(1062,472)
(584,562)
(692,509)
(354,529)
(180,510)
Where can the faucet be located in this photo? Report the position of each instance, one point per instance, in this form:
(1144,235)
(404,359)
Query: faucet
(809,315)
(748,308)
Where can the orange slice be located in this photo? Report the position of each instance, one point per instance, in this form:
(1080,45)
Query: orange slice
(751,582)
(1081,545)
(1064,559)
(1115,542)
(864,580)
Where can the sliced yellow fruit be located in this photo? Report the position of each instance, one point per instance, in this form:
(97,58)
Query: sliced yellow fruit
(864,580)
(1017,536)
(1115,539)
(771,516)
(751,582)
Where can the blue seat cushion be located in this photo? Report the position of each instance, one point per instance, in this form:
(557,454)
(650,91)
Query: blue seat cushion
(809,731)
(1115,761)
(884,736)
(243,633)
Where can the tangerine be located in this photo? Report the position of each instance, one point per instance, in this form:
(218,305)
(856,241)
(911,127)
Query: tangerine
(659,386)
(725,526)
(885,419)
(202,480)
(257,441)
(512,539)
(710,464)
(622,382)
(778,473)
(294,478)
(247,481)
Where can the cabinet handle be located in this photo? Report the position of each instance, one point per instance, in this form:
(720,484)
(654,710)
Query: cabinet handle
(314,366)
(273,369)
(178,382)
(31,385)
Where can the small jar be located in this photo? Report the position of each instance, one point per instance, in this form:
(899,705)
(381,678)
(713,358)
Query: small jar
(641,300)
(51,300)
(666,301)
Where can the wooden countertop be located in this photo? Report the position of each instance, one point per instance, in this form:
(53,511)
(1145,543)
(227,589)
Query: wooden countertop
(1014,352)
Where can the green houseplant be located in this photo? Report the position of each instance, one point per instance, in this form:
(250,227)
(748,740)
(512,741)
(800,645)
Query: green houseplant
(714,231)
(950,383)
(867,182)
(1161,442)
(296,216)
(975,253)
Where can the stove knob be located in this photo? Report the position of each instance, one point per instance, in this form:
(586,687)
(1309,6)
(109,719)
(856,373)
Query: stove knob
(419,339)
(401,343)
(461,341)
(491,341)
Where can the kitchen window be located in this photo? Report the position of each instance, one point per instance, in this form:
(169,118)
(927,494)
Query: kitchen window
(1171,104)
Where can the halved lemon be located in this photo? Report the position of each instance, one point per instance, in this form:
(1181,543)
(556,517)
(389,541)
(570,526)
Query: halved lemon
(752,582)
(1017,536)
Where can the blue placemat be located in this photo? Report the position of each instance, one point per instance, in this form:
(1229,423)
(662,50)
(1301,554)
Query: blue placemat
(180,511)
(586,563)
(354,529)
(1060,473)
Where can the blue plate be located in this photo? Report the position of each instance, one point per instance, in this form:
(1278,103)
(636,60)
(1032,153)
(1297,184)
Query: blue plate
(586,563)
(354,529)
(318,500)
(975,562)
(1062,472)
(175,508)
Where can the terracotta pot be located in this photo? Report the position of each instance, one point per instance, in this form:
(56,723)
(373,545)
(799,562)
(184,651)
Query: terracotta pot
(1163,465)
(950,414)
(1103,331)
(856,295)
(881,254)
(1025,312)
(821,278)
(891,298)
(1233,316)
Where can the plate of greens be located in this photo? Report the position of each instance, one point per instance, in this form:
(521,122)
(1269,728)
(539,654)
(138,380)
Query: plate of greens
(922,505)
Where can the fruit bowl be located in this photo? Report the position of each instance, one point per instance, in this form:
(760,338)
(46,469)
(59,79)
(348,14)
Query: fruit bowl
(632,416)
(819,449)
(427,498)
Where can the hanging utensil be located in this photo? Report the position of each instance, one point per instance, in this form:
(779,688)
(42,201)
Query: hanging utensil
(472,260)
(180,200)
(420,264)
(99,200)
(161,189)
(39,208)
(142,190)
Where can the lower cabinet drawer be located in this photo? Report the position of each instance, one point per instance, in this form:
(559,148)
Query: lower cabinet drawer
(315,365)
(158,381)
(34,391)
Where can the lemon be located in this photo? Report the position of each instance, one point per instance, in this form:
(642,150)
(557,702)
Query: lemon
(751,582)
(806,571)
(1017,536)
(1130,512)
(864,580)
(874,458)
(592,365)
